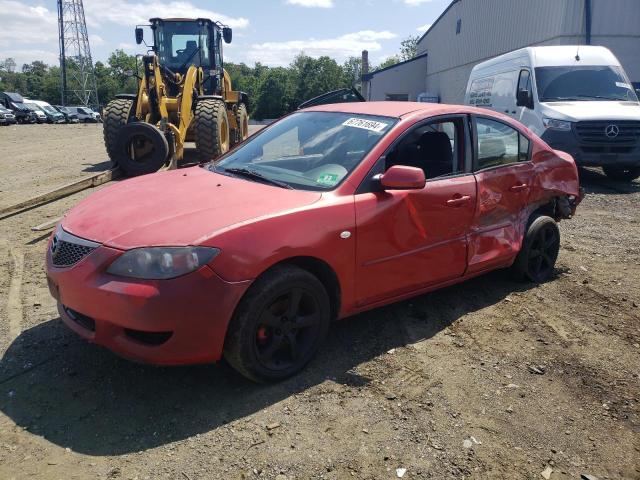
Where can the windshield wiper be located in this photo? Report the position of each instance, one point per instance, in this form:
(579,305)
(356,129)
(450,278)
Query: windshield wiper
(245,172)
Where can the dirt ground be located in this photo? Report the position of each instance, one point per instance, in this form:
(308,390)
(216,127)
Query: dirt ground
(488,379)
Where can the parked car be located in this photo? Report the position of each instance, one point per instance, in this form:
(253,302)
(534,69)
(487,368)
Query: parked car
(14,102)
(53,115)
(7,117)
(85,114)
(577,98)
(68,115)
(328,212)
(40,115)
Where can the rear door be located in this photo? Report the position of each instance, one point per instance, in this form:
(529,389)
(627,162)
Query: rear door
(503,171)
(409,239)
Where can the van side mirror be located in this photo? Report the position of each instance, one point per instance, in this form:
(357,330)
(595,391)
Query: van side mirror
(227,34)
(524,98)
(402,177)
(139,35)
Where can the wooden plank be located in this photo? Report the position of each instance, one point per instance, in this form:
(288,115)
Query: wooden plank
(65,190)
(46,225)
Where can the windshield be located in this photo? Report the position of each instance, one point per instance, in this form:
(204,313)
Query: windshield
(19,106)
(181,44)
(556,84)
(307,150)
(32,106)
(49,109)
(63,109)
(86,111)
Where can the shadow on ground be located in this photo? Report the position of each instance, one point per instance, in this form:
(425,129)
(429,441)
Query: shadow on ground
(81,396)
(595,181)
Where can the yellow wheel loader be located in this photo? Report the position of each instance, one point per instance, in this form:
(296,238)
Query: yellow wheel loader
(184,95)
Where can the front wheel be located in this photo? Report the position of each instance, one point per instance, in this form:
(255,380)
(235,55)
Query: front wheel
(622,174)
(537,257)
(211,128)
(278,325)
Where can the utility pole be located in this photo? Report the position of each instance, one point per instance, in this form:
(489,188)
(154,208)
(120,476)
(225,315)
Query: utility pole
(77,77)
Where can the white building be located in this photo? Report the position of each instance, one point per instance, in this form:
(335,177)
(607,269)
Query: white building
(471,31)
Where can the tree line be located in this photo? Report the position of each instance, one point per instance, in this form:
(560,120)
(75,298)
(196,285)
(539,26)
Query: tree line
(272,91)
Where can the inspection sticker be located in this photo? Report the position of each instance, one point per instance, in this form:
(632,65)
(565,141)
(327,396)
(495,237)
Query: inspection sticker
(370,125)
(328,179)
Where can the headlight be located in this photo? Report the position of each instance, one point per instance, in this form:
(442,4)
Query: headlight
(554,124)
(160,263)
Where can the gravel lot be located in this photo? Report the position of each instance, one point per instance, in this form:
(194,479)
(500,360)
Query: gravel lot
(488,379)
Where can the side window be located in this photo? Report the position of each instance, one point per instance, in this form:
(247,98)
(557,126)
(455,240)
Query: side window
(499,144)
(436,148)
(523,151)
(524,82)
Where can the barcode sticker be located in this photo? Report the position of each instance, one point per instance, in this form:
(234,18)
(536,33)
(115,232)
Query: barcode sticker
(370,125)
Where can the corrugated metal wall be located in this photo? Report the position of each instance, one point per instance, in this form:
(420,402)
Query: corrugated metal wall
(493,27)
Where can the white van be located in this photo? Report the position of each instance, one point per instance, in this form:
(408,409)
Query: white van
(577,98)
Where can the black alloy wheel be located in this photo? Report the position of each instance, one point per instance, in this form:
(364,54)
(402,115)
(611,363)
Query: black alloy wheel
(537,258)
(286,329)
(278,325)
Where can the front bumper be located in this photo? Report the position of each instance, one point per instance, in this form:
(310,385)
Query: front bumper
(600,154)
(164,322)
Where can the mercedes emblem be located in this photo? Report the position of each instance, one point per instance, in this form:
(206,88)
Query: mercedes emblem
(612,131)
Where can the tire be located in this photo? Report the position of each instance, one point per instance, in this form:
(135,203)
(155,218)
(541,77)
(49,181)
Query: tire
(242,119)
(116,115)
(211,128)
(265,340)
(141,149)
(537,257)
(622,174)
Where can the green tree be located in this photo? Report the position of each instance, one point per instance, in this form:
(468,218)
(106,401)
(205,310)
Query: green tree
(409,47)
(275,93)
(388,62)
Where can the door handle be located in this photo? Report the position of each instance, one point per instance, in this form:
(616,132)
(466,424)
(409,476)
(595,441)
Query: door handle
(457,201)
(519,187)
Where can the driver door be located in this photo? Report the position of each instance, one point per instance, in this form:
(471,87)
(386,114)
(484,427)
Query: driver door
(410,239)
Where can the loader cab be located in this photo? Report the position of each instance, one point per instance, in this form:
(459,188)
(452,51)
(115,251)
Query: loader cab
(180,43)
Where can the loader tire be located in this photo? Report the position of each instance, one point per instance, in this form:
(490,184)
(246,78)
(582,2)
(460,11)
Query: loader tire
(142,149)
(211,129)
(242,120)
(116,115)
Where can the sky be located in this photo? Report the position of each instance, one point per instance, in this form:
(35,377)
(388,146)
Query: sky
(272,32)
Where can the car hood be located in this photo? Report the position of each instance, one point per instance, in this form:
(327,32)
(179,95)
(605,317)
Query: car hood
(180,207)
(596,110)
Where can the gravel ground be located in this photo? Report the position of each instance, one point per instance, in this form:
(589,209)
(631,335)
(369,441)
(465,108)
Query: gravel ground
(488,379)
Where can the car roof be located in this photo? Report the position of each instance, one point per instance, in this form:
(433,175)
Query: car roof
(401,109)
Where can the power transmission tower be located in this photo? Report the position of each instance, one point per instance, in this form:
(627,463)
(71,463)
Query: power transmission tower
(78,80)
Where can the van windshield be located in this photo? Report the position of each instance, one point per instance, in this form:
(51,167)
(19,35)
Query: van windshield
(584,83)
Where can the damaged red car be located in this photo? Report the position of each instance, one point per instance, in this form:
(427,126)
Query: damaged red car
(331,211)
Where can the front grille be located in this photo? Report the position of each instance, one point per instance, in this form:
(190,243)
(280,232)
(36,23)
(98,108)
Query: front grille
(607,132)
(65,254)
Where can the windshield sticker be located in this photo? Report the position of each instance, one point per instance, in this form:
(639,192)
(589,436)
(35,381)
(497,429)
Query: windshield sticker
(623,85)
(370,125)
(328,179)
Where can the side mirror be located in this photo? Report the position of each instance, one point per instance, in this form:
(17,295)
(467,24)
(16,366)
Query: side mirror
(401,177)
(139,35)
(227,34)
(524,99)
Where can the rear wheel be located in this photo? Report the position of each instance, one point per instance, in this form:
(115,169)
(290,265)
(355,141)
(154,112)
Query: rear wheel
(537,258)
(242,119)
(622,174)
(116,115)
(278,325)
(211,129)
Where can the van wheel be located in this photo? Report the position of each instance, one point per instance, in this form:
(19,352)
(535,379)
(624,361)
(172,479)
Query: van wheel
(278,325)
(622,174)
(537,257)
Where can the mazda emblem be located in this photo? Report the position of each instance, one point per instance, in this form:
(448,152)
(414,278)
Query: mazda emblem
(612,131)
(54,244)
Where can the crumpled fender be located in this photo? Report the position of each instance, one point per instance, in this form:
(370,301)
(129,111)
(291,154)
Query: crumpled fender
(555,174)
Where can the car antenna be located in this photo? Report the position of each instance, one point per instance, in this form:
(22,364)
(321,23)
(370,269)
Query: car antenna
(578,54)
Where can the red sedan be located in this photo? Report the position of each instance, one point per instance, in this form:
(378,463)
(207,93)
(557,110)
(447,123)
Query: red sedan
(330,211)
